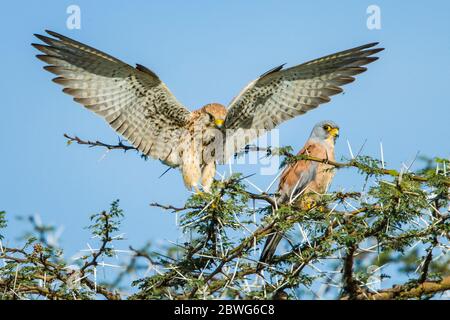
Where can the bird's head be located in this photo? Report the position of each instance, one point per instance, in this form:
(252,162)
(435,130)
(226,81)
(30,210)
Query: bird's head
(216,113)
(326,130)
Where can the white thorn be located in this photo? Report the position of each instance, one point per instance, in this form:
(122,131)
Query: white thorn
(221,175)
(95,279)
(254,185)
(15,278)
(275,179)
(350,150)
(304,235)
(103,156)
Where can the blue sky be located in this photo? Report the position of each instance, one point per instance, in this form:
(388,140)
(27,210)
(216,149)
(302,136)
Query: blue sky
(207,51)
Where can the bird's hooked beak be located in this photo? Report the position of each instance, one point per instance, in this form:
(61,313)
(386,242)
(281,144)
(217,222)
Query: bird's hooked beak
(219,123)
(334,132)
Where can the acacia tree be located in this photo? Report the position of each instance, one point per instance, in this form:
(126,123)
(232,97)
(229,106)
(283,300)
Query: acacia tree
(388,241)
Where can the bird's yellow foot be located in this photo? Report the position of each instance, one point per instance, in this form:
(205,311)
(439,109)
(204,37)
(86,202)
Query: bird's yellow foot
(309,204)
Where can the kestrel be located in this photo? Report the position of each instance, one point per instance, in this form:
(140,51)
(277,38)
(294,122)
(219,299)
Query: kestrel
(304,182)
(140,107)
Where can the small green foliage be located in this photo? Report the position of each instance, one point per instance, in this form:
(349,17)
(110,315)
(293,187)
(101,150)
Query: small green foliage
(104,224)
(367,165)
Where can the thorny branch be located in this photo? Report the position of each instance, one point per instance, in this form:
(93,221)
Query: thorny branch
(119,146)
(355,163)
(409,291)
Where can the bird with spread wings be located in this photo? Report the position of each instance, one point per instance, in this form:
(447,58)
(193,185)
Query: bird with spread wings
(141,108)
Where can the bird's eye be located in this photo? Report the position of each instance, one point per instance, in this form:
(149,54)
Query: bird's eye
(327,127)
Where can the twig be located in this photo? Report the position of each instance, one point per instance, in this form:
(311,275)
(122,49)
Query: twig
(119,146)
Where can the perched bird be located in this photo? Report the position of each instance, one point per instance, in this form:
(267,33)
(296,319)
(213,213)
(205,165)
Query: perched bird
(140,107)
(304,182)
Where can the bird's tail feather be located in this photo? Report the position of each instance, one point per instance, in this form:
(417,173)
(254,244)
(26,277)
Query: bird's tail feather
(269,249)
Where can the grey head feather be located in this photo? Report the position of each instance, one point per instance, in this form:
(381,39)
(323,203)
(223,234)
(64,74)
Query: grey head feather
(319,132)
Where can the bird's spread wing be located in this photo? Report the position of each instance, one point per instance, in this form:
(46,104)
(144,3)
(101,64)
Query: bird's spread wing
(280,95)
(134,101)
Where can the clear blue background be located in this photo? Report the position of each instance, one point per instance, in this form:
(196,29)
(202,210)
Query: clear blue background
(207,51)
